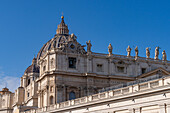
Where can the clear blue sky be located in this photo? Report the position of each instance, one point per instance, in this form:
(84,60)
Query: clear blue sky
(25,25)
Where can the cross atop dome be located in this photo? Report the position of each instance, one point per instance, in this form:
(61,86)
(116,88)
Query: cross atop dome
(62,27)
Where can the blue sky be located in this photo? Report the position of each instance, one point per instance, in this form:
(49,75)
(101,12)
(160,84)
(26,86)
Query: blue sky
(25,25)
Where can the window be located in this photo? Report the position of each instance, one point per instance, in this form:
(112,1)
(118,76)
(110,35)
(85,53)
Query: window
(72,62)
(52,63)
(51,89)
(28,94)
(44,68)
(51,100)
(72,95)
(28,81)
(143,70)
(120,69)
(99,67)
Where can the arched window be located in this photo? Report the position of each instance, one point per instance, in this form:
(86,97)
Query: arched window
(51,100)
(72,95)
(28,81)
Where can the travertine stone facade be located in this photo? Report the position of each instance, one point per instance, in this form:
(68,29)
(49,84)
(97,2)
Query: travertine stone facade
(63,70)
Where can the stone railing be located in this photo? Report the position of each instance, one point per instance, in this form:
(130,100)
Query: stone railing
(131,57)
(110,94)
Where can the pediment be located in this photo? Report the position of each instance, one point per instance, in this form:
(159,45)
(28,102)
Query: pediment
(159,71)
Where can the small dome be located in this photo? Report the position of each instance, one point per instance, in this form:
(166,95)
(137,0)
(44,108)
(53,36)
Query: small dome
(33,68)
(5,89)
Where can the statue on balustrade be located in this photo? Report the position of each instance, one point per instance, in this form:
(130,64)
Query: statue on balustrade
(136,52)
(147,53)
(89,45)
(110,48)
(164,55)
(156,53)
(128,51)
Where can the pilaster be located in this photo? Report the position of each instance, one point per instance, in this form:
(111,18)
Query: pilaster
(162,108)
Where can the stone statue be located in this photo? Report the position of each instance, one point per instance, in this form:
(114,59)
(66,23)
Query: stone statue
(156,53)
(147,53)
(128,51)
(164,55)
(136,51)
(88,46)
(73,37)
(110,48)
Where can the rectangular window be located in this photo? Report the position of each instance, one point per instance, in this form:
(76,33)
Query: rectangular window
(28,94)
(120,69)
(99,68)
(143,70)
(72,62)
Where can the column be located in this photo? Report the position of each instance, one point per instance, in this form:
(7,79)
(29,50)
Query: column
(132,110)
(109,67)
(135,110)
(39,99)
(168,108)
(162,108)
(48,62)
(55,60)
(24,82)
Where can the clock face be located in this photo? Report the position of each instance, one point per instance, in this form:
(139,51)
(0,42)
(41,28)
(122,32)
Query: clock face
(72,46)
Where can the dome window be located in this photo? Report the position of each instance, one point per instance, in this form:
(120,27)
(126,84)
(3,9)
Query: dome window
(28,81)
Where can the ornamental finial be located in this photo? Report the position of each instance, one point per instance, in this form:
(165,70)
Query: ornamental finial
(62,17)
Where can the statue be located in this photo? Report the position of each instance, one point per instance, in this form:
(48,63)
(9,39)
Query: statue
(164,55)
(88,46)
(156,53)
(147,53)
(110,48)
(136,51)
(73,37)
(128,51)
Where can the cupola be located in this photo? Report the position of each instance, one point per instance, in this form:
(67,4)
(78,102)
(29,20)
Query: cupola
(62,27)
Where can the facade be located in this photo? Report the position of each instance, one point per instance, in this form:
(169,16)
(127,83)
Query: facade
(145,97)
(64,71)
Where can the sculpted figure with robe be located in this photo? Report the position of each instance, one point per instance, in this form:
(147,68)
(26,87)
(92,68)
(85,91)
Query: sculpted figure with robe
(110,48)
(128,51)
